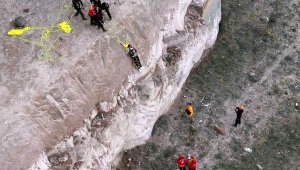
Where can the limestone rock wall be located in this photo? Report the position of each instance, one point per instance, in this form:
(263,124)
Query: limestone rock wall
(82,111)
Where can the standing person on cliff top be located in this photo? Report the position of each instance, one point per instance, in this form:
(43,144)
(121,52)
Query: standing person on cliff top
(105,6)
(92,14)
(189,110)
(78,5)
(99,19)
(239,111)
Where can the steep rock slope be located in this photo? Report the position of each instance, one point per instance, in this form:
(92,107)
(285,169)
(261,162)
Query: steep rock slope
(93,89)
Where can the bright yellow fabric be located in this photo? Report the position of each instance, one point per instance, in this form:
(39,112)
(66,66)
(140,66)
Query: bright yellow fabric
(65,27)
(126,45)
(18,31)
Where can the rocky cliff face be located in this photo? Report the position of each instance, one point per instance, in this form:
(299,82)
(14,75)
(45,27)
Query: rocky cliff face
(83,110)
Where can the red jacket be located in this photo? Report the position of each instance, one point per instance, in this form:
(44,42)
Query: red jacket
(193,163)
(180,161)
(187,162)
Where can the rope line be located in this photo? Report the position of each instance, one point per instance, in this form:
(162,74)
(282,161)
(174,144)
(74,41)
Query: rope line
(47,32)
(64,27)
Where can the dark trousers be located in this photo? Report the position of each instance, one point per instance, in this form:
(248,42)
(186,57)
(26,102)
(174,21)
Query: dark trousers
(93,21)
(78,11)
(137,61)
(100,25)
(237,121)
(182,168)
(108,13)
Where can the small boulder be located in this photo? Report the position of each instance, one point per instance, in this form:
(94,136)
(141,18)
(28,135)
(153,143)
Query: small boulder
(20,22)
(249,150)
(53,161)
(259,167)
(63,158)
(219,130)
(26,10)
(253,77)
(252,74)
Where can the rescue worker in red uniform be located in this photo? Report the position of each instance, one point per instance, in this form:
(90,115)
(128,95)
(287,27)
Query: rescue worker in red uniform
(181,162)
(193,163)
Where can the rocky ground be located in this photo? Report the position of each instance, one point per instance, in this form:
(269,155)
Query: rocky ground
(74,100)
(255,61)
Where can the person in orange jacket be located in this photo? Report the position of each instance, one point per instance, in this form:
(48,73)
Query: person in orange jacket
(189,110)
(181,162)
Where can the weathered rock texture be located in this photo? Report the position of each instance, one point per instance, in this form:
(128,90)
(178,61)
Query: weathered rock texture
(80,112)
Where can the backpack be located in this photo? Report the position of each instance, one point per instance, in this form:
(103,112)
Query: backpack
(92,11)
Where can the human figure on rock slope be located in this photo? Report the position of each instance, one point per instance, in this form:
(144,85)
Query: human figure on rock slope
(239,111)
(134,56)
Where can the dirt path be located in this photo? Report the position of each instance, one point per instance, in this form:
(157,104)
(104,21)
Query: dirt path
(255,61)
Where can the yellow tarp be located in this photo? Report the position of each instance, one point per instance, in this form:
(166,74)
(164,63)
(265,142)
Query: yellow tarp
(18,31)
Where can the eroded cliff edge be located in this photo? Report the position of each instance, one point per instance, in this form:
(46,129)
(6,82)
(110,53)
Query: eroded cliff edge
(94,90)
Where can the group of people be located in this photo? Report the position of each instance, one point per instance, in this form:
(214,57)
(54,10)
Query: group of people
(96,15)
(239,111)
(95,11)
(190,162)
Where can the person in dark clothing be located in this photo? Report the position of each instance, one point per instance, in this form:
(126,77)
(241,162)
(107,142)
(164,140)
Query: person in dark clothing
(97,3)
(99,20)
(105,6)
(134,55)
(239,111)
(77,4)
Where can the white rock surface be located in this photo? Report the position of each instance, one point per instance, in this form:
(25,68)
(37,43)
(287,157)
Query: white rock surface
(44,104)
